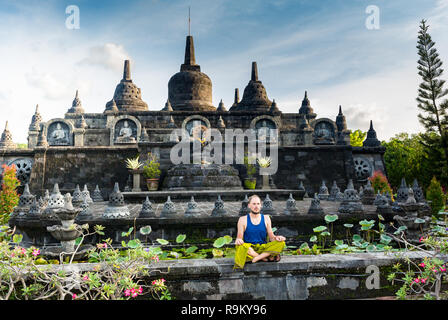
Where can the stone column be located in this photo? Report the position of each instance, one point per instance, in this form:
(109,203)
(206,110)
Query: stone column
(79,137)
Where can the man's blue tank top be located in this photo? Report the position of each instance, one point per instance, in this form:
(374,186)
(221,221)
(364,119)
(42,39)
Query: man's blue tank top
(255,234)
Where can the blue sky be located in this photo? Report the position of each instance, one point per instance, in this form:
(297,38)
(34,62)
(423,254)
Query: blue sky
(323,47)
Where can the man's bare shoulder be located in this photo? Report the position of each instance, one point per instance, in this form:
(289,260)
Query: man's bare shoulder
(267,218)
(242,220)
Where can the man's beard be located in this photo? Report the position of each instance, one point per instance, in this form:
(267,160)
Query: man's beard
(253,212)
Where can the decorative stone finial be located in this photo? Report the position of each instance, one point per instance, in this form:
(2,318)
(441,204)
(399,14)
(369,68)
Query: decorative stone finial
(127,96)
(76,105)
(35,120)
(274,107)
(254,76)
(371,140)
(189,52)
(6,139)
(168,106)
(306,107)
(221,107)
(127,70)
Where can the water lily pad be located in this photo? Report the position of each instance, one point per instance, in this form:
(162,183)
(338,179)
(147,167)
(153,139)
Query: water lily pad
(320,229)
(338,242)
(331,218)
(219,242)
(191,249)
(313,239)
(162,241)
(180,238)
(419,220)
(385,239)
(145,230)
(348,225)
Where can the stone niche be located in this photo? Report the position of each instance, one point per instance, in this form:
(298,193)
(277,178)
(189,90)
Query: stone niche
(125,130)
(59,132)
(324,131)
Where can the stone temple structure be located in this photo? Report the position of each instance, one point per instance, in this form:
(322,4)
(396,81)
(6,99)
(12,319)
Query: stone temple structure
(90,148)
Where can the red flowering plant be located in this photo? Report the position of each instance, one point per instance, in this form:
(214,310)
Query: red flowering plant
(380,183)
(9,198)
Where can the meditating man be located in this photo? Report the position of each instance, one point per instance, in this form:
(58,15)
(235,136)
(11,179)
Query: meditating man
(253,229)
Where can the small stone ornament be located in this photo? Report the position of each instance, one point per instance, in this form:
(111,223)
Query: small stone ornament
(244,207)
(56,198)
(315,207)
(116,207)
(291,207)
(418,192)
(192,208)
(402,192)
(96,195)
(351,202)
(219,210)
(77,196)
(147,210)
(86,212)
(323,192)
(168,209)
(86,194)
(268,207)
(334,192)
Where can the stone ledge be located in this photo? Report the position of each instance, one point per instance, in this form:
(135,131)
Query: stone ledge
(328,276)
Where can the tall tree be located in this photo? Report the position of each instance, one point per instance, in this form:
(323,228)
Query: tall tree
(435,112)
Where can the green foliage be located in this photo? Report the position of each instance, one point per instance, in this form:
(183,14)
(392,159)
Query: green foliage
(407,157)
(8,195)
(435,194)
(151,167)
(357,137)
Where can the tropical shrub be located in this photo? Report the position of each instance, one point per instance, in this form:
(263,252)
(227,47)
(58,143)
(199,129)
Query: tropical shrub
(435,194)
(9,197)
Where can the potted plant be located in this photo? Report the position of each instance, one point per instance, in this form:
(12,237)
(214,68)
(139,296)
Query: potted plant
(265,162)
(134,164)
(250,182)
(151,172)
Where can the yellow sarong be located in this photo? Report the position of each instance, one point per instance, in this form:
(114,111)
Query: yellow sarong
(241,256)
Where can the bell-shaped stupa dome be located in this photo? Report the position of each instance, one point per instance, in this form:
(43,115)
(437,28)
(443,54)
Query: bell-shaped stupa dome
(190,89)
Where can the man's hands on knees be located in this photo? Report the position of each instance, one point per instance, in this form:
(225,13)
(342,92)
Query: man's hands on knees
(239,242)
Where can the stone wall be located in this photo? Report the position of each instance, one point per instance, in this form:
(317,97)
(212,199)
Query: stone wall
(321,277)
(69,166)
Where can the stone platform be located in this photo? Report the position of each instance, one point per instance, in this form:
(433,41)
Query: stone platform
(201,230)
(315,277)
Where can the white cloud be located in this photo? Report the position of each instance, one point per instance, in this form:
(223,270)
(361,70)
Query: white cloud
(108,55)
